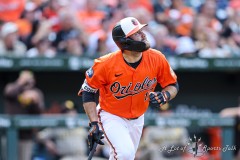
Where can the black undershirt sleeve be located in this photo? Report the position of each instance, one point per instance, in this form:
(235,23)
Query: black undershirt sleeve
(88,97)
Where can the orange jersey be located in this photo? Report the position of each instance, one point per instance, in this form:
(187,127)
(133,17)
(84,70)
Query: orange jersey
(11,10)
(124,91)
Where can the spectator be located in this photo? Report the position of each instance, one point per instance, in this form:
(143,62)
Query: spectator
(208,13)
(212,50)
(71,45)
(91,16)
(159,11)
(230,112)
(234,26)
(11,10)
(65,143)
(100,41)
(29,22)
(139,4)
(164,42)
(42,48)
(69,39)
(185,47)
(51,11)
(23,98)
(97,43)
(180,17)
(200,32)
(191,20)
(9,44)
(227,41)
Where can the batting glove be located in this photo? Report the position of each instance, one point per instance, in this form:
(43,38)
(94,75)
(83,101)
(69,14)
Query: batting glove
(159,98)
(95,135)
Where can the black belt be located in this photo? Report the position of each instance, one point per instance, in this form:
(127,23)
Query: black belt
(132,118)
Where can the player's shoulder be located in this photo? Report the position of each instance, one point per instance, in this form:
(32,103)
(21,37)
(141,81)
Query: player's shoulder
(153,53)
(107,58)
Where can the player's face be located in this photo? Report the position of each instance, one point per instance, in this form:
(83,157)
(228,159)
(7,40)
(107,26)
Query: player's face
(140,36)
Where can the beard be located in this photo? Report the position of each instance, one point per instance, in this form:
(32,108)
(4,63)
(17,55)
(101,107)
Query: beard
(147,43)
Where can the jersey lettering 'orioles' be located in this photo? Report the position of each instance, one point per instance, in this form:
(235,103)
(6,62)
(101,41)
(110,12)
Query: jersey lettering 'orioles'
(120,92)
(123,90)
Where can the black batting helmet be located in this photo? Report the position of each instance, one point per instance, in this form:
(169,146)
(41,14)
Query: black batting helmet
(125,28)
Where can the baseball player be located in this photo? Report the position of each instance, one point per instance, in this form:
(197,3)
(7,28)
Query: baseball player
(126,80)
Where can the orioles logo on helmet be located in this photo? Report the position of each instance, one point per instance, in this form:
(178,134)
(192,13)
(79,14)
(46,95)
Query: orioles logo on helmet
(134,22)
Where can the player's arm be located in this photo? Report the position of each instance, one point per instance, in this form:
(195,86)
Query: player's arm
(88,96)
(90,105)
(95,79)
(167,94)
(172,89)
(168,81)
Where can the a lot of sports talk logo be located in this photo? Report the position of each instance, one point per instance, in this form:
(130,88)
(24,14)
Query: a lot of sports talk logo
(196,147)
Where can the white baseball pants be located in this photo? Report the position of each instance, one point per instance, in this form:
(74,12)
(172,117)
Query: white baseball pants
(122,135)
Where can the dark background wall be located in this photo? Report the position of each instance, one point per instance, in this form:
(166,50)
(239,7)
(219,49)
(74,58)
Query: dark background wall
(204,90)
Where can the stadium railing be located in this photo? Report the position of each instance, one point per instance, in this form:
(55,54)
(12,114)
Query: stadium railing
(11,124)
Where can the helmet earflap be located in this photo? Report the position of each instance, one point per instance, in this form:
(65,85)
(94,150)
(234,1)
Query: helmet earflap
(128,41)
(124,41)
(131,45)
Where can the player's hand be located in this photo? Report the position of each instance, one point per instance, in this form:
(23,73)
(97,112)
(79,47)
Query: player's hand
(159,98)
(95,135)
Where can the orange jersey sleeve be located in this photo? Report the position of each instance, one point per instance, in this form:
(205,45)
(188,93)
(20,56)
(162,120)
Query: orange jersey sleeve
(166,75)
(96,75)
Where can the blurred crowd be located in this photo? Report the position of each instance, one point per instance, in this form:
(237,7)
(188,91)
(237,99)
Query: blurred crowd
(49,28)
